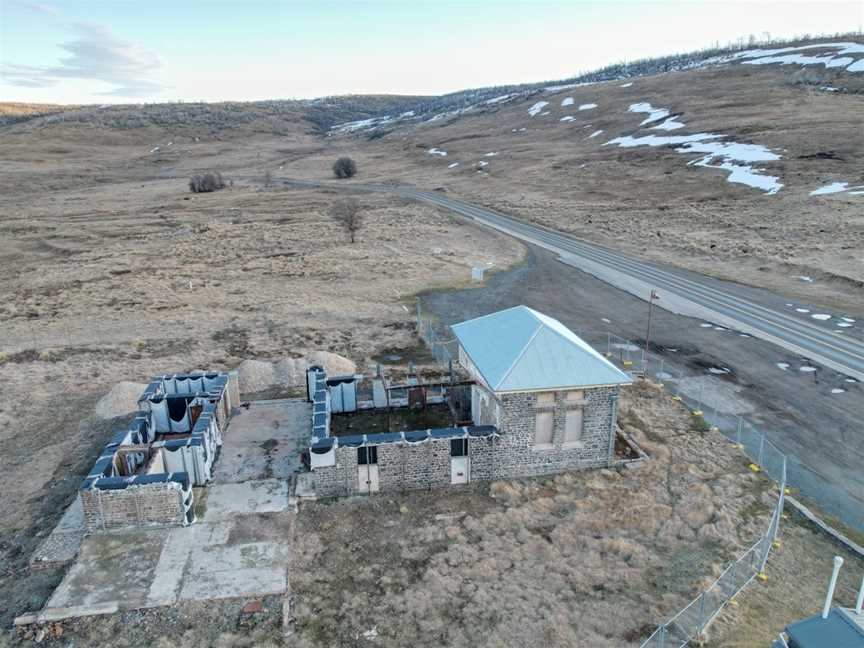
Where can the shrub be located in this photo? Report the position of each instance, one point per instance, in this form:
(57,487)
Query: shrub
(344,167)
(346,212)
(205,182)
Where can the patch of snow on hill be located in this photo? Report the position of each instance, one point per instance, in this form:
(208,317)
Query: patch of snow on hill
(495,100)
(626,85)
(727,153)
(492,154)
(742,174)
(537,107)
(587,106)
(654,114)
(568,118)
(793,56)
(836,187)
(453,166)
(668,124)
(567,101)
(438,152)
(594,134)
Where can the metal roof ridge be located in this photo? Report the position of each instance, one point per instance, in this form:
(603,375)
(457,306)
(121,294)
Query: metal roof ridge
(521,353)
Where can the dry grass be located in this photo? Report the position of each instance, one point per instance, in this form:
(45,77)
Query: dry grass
(127,280)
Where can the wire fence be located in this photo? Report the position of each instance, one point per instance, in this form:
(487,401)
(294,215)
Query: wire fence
(695,391)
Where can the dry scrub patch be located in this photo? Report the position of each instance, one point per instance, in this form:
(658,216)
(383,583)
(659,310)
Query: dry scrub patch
(581,559)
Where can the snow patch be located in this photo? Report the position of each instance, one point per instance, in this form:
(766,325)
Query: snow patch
(626,85)
(848,319)
(537,107)
(594,134)
(654,114)
(492,154)
(836,187)
(438,152)
(837,390)
(783,365)
(567,101)
(669,124)
(821,316)
(727,152)
(807,369)
(453,166)
(803,310)
(568,118)
(588,106)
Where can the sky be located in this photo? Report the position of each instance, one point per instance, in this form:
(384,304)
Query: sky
(120,51)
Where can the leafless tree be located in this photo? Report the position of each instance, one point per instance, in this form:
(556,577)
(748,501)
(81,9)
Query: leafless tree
(346,212)
(205,182)
(344,167)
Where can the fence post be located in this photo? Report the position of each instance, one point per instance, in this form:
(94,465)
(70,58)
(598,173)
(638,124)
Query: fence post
(734,580)
(761,448)
(701,613)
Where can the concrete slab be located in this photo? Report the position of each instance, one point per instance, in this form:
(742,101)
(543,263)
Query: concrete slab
(222,501)
(232,583)
(111,568)
(264,441)
(64,542)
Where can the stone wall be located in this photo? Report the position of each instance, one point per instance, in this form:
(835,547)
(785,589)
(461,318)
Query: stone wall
(404,466)
(146,505)
(516,455)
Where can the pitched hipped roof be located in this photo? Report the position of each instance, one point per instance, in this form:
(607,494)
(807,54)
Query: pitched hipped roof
(519,349)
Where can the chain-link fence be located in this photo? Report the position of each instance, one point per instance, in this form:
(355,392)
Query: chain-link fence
(442,345)
(691,622)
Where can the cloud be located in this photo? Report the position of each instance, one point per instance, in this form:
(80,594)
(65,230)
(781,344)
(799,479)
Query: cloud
(94,54)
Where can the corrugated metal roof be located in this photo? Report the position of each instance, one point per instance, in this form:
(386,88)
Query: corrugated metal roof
(837,631)
(519,349)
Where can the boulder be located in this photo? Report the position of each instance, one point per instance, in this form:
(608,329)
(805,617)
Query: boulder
(121,400)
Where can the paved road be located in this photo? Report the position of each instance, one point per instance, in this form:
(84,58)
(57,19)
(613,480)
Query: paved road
(683,292)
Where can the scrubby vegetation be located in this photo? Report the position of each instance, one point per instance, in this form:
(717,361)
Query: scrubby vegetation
(206,182)
(346,212)
(344,167)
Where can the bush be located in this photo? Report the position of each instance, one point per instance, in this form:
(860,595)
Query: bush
(205,182)
(344,167)
(346,212)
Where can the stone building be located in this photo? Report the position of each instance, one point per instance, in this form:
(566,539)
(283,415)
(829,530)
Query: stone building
(552,396)
(542,401)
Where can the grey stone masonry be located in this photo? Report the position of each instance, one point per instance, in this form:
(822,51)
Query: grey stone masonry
(146,505)
(404,466)
(516,454)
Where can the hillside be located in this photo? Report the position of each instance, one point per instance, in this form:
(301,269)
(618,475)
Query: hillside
(748,167)
(742,163)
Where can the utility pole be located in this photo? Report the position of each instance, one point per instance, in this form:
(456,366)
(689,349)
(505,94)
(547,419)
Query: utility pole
(651,299)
